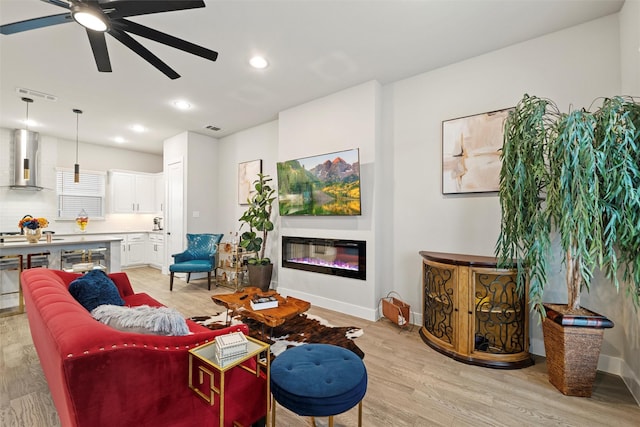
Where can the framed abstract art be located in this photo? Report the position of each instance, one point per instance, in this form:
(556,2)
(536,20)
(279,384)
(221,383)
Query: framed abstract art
(471,149)
(247,173)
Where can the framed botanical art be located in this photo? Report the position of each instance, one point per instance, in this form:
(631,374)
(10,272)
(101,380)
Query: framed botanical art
(247,173)
(471,148)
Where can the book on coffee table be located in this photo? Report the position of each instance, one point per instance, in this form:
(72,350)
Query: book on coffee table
(263,302)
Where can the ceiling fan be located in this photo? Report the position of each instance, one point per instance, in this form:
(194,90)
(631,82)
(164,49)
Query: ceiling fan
(107,16)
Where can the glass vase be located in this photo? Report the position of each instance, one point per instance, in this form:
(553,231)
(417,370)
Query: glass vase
(32,235)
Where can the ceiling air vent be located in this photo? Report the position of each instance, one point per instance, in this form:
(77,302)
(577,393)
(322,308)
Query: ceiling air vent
(35,94)
(213,128)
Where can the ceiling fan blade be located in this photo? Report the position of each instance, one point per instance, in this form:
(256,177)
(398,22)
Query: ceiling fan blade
(61,3)
(122,8)
(98,44)
(132,44)
(160,37)
(32,24)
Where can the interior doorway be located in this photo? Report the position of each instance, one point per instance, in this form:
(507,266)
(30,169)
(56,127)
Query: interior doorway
(174,222)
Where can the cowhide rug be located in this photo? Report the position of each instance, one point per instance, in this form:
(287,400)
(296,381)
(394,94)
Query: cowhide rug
(302,329)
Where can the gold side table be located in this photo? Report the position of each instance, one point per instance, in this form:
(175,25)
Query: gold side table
(203,366)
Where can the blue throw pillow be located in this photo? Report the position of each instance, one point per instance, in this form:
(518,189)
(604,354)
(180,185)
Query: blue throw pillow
(95,288)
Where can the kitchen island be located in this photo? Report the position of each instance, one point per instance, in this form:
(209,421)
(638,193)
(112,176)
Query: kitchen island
(13,248)
(17,245)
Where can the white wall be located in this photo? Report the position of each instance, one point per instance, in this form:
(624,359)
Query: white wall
(345,120)
(260,142)
(629,318)
(54,152)
(572,67)
(403,208)
(201,168)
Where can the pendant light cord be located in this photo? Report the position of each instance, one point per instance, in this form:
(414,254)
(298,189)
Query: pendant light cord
(77,130)
(76,167)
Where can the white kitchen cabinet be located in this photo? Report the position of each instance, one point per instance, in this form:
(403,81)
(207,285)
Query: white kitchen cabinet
(155,250)
(133,249)
(132,192)
(159,187)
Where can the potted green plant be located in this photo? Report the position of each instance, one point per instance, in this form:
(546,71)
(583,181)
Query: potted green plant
(576,174)
(258,218)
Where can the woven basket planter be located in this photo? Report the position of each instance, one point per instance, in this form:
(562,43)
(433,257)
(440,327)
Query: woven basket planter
(572,346)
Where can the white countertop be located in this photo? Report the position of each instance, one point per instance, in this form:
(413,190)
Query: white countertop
(104,233)
(21,242)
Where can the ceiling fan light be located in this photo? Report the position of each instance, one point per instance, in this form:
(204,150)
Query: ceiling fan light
(90,18)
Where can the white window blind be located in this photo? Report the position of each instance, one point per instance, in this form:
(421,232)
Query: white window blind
(88,194)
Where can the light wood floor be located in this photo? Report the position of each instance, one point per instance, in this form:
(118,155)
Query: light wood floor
(409,383)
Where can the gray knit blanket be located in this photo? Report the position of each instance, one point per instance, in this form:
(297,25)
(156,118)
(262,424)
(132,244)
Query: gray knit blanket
(142,319)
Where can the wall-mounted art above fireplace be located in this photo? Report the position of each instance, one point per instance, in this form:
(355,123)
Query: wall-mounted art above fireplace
(346,258)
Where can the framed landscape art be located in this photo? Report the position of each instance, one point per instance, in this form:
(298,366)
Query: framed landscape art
(471,148)
(328,184)
(247,173)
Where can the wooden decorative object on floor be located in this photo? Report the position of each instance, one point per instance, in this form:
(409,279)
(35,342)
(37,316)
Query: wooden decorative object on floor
(396,310)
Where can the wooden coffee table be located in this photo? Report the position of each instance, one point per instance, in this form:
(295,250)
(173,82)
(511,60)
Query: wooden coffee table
(238,302)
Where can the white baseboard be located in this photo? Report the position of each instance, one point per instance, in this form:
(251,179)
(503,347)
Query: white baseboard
(339,306)
(631,380)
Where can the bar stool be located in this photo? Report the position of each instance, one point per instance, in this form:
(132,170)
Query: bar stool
(318,380)
(38,260)
(12,262)
(83,260)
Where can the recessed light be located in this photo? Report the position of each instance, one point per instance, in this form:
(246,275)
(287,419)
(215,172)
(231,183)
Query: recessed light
(258,62)
(119,140)
(181,104)
(138,128)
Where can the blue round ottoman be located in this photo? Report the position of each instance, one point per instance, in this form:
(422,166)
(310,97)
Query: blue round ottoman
(318,380)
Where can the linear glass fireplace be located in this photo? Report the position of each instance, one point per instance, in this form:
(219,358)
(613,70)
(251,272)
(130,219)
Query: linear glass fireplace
(347,258)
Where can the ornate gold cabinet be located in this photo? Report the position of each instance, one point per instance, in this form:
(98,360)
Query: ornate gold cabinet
(472,312)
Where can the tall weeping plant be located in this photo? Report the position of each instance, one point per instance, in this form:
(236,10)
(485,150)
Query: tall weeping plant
(577,174)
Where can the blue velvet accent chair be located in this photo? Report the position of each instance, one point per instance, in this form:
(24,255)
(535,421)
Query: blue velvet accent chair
(200,256)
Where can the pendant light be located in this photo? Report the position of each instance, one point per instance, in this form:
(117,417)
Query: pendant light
(26,174)
(76,167)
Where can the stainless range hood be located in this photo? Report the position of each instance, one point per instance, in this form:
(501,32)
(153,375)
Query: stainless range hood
(25,160)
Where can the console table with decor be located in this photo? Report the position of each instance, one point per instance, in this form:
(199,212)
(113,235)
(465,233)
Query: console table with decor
(472,311)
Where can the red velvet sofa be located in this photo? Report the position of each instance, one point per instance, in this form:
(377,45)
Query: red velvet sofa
(99,376)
